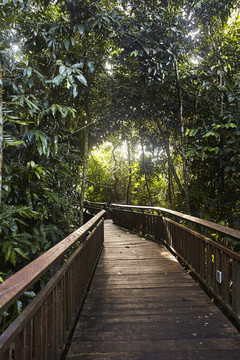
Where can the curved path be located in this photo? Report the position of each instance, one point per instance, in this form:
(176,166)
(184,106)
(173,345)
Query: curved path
(142,305)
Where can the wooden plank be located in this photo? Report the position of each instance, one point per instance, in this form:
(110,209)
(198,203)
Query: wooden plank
(143,305)
(153,346)
(183,355)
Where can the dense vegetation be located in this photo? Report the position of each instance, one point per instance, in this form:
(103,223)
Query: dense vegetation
(130,101)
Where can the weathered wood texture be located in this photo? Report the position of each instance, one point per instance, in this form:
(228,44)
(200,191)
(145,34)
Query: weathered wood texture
(215,265)
(42,330)
(142,305)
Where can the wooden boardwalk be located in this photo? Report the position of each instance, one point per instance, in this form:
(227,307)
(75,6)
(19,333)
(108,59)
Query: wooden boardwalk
(142,305)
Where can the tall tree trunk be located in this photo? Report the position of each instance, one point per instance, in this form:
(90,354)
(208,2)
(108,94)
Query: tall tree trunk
(1,131)
(129,175)
(184,163)
(84,175)
(116,196)
(145,175)
(221,142)
(170,185)
(85,163)
(170,161)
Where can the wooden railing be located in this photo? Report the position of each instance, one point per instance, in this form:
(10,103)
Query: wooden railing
(42,330)
(214,264)
(92,208)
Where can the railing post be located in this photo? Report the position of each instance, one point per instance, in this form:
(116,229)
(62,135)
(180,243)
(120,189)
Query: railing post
(143,218)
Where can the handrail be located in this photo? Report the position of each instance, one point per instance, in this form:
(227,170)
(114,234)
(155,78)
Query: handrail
(94,207)
(216,266)
(208,224)
(95,203)
(14,286)
(45,324)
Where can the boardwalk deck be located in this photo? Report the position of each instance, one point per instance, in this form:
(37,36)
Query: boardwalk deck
(142,305)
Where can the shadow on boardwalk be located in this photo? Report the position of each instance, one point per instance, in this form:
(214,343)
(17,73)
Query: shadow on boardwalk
(142,305)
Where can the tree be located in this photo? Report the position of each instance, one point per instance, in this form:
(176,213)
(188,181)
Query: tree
(52,56)
(157,71)
(1,131)
(78,73)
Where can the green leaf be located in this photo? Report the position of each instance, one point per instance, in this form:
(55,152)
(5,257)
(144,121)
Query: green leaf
(190,152)
(134,53)
(77,65)
(68,84)
(38,73)
(30,294)
(211,133)
(146,49)
(47,245)
(6,246)
(230,125)
(55,145)
(13,257)
(31,164)
(90,66)
(8,253)
(75,91)
(37,174)
(82,79)
(57,80)
(62,69)
(53,109)
(29,72)
(21,253)
(81,29)
(31,104)
(9,140)
(34,249)
(40,149)
(193,132)
(19,307)
(21,222)
(66,44)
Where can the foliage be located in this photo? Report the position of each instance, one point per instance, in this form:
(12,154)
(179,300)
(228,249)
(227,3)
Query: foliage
(160,76)
(177,77)
(103,172)
(48,78)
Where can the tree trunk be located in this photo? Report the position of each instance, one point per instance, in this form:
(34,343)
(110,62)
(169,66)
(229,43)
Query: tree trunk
(221,142)
(170,162)
(145,175)
(1,131)
(85,163)
(84,175)
(170,185)
(116,196)
(184,163)
(129,175)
